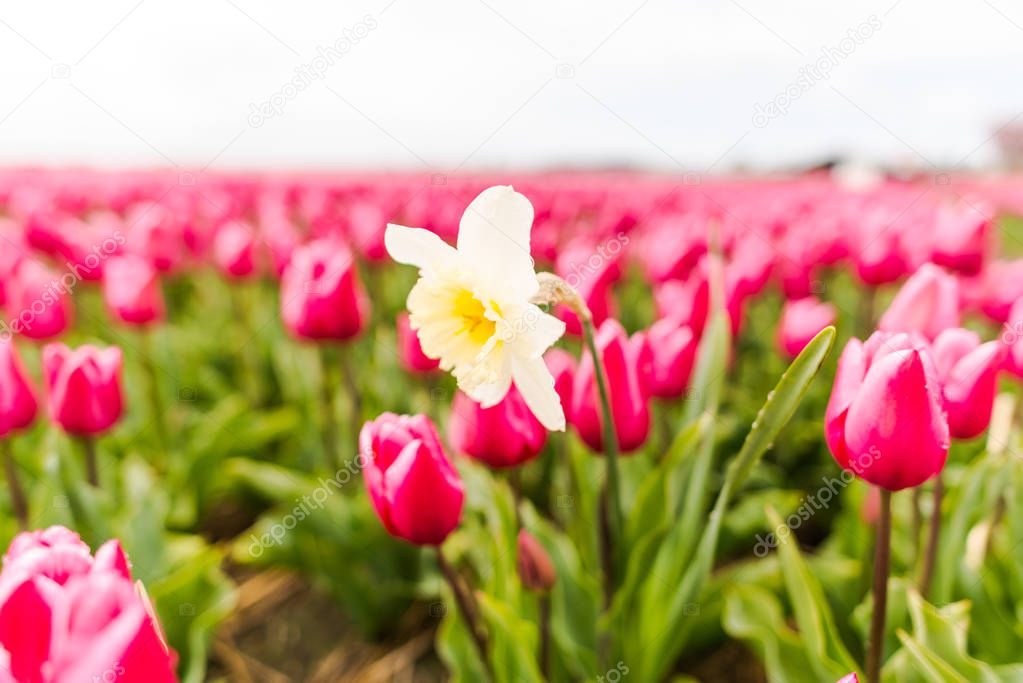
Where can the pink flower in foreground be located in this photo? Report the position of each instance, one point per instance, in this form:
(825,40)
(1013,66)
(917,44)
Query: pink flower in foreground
(885,421)
(504,435)
(415,490)
(928,303)
(321,296)
(67,616)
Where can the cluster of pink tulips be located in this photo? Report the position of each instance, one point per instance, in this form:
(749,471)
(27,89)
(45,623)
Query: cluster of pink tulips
(482,310)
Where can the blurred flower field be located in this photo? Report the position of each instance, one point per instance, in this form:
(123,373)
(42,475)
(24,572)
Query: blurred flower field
(523,427)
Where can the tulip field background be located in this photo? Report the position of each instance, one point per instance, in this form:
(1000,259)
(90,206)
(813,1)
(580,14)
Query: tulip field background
(495,342)
(234,482)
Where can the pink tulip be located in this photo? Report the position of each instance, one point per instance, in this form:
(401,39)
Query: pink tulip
(83,387)
(672,351)
(801,320)
(624,361)
(321,296)
(927,304)
(39,301)
(851,678)
(504,435)
(234,249)
(536,571)
(968,371)
(414,489)
(410,352)
(18,404)
(562,366)
(131,290)
(155,233)
(885,421)
(67,616)
(687,302)
(590,270)
(962,237)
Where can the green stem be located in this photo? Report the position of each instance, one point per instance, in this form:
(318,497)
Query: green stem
(882,557)
(933,538)
(328,407)
(351,385)
(18,500)
(469,613)
(612,508)
(91,466)
(156,404)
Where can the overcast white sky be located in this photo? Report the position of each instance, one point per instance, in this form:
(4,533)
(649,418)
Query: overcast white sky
(489,83)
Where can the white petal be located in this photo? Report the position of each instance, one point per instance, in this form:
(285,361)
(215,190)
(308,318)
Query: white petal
(494,235)
(490,394)
(532,331)
(536,384)
(416,246)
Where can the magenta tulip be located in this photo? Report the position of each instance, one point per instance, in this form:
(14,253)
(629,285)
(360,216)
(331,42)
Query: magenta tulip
(410,351)
(39,301)
(687,302)
(18,405)
(672,352)
(624,359)
(927,304)
(562,366)
(131,290)
(535,569)
(67,616)
(83,387)
(801,320)
(504,435)
(321,295)
(234,249)
(968,371)
(415,490)
(885,421)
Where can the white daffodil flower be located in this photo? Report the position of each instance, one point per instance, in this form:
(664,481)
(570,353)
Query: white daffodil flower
(471,306)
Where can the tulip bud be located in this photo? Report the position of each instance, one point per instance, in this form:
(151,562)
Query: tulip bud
(410,352)
(83,387)
(927,304)
(39,301)
(885,420)
(504,435)
(801,320)
(234,249)
(623,359)
(536,571)
(131,290)
(968,371)
(672,350)
(17,397)
(414,489)
(321,296)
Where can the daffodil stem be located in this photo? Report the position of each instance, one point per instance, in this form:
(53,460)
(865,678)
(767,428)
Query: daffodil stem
(465,606)
(612,507)
(18,500)
(882,557)
(933,537)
